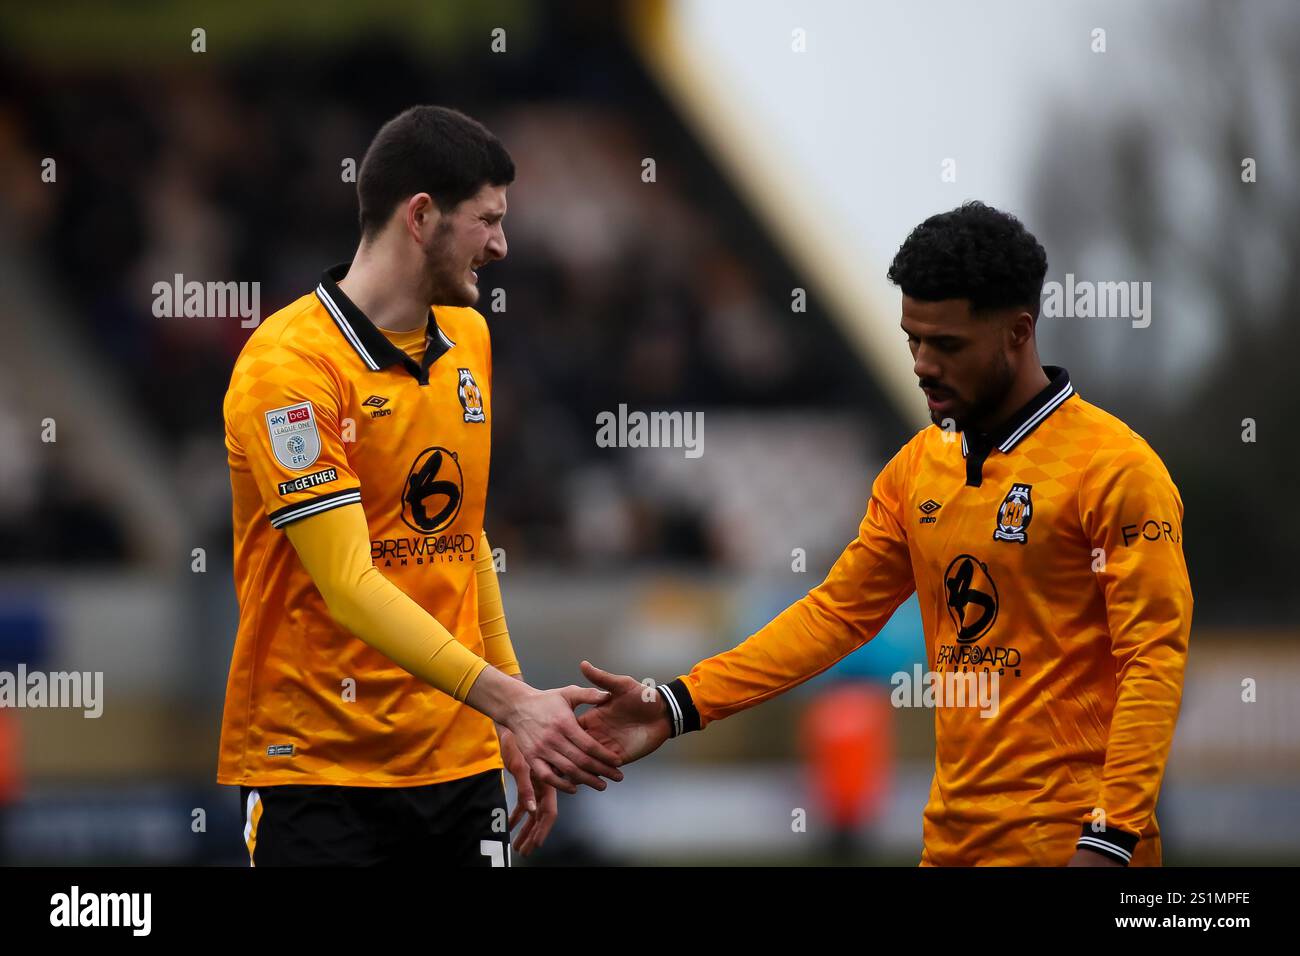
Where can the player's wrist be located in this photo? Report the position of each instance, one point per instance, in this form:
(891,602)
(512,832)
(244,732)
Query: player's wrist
(679,708)
(499,696)
(1115,845)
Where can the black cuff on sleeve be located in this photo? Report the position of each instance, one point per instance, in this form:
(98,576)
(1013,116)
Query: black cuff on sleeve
(1115,844)
(681,709)
(314,506)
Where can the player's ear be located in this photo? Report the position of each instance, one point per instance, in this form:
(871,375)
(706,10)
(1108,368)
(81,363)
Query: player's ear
(1020,328)
(422,216)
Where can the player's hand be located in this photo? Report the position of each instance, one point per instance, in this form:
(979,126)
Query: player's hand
(632,722)
(557,750)
(534,800)
(1084,857)
(538,825)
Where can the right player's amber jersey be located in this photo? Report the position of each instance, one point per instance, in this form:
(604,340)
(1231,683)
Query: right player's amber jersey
(323,411)
(1049,555)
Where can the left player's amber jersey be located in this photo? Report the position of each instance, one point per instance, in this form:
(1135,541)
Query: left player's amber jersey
(323,411)
(1048,554)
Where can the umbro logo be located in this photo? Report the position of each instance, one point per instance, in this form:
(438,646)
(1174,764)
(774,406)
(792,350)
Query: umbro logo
(928,507)
(377,402)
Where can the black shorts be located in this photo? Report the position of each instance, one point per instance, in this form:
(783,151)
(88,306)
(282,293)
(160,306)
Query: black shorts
(458,823)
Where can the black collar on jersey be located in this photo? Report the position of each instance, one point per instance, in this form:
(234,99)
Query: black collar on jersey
(367,341)
(1015,429)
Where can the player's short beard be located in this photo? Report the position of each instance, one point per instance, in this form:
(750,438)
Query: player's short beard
(993,393)
(446,278)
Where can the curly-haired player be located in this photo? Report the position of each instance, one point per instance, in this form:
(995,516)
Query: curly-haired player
(1043,538)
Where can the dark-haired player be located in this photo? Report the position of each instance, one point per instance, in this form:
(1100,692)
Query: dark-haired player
(372,667)
(1043,538)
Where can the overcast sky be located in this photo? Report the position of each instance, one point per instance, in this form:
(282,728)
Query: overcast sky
(887,90)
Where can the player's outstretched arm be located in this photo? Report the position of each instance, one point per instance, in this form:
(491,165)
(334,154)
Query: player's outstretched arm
(632,722)
(334,547)
(872,577)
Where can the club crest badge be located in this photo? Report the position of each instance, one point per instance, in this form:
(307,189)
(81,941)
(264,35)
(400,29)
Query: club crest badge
(471,399)
(294,437)
(1014,515)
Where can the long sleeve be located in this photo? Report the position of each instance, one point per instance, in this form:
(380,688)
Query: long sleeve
(1131,510)
(335,549)
(868,582)
(497,648)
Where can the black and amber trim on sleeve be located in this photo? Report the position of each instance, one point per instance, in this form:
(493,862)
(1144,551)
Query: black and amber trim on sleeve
(681,709)
(314,506)
(1115,844)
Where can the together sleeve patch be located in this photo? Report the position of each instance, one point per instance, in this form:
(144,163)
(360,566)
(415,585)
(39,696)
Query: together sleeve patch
(308,481)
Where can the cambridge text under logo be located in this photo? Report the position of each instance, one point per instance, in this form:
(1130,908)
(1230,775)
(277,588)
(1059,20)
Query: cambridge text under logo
(433,492)
(1014,515)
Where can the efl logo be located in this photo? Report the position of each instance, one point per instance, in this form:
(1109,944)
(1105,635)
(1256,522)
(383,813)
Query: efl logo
(293,434)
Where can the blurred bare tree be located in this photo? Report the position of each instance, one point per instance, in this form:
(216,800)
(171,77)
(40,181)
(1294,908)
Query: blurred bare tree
(1156,192)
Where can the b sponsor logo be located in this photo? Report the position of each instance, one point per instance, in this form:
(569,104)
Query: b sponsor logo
(973,603)
(971,597)
(434,488)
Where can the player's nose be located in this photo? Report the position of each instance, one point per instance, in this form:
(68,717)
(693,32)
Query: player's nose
(925,367)
(496,246)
